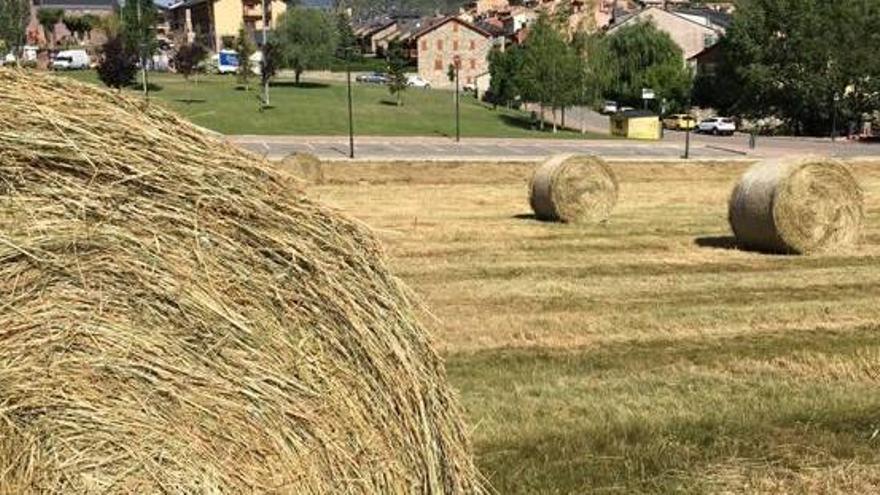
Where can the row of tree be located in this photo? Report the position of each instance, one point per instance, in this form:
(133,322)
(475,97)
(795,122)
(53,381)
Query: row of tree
(804,65)
(810,63)
(557,72)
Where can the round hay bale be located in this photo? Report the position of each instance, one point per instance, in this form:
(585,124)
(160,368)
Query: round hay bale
(177,317)
(797,205)
(305,166)
(573,189)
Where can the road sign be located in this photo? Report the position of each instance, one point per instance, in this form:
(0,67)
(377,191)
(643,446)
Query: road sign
(648,94)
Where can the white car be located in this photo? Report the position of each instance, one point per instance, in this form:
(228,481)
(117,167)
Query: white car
(610,107)
(717,126)
(71,60)
(417,82)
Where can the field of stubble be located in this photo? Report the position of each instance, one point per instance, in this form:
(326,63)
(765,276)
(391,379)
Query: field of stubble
(643,355)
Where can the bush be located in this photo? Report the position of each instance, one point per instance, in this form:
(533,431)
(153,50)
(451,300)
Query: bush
(188,59)
(118,65)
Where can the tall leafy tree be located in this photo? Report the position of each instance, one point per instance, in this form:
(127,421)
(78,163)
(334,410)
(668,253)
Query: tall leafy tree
(245,48)
(346,37)
(505,68)
(642,56)
(546,76)
(48,18)
(14,16)
(397,64)
(139,32)
(307,39)
(805,61)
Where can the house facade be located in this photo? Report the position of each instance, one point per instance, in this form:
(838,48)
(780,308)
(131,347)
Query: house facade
(691,31)
(453,41)
(210,22)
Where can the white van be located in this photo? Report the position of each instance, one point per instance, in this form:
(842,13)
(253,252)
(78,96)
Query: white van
(71,60)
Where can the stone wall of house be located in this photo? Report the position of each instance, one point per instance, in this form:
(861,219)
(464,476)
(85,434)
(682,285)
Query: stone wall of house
(438,48)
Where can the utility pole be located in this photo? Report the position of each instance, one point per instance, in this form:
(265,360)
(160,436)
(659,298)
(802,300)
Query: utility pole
(265,54)
(350,106)
(688,122)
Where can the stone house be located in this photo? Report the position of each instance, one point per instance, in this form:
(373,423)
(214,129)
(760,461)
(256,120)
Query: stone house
(450,41)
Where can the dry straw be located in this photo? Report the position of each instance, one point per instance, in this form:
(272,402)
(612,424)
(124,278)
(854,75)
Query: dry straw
(305,166)
(797,205)
(176,317)
(573,189)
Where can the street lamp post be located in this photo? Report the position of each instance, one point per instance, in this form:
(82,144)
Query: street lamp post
(263,59)
(687,131)
(457,65)
(350,106)
(835,100)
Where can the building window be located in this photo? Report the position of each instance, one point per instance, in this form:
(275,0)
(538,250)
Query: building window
(473,45)
(454,27)
(470,80)
(473,64)
(438,64)
(439,44)
(455,45)
(424,45)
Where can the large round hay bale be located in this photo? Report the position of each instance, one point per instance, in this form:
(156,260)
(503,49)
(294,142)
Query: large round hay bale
(797,205)
(573,189)
(176,317)
(305,166)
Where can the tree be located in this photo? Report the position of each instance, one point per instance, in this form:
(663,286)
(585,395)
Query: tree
(245,48)
(397,64)
(188,59)
(346,37)
(806,62)
(272,56)
(139,33)
(307,39)
(505,68)
(79,25)
(118,64)
(596,70)
(48,18)
(14,16)
(548,67)
(644,57)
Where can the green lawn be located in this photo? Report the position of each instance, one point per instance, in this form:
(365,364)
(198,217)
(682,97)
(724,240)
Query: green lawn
(320,108)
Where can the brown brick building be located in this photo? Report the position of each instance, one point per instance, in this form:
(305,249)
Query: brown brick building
(447,41)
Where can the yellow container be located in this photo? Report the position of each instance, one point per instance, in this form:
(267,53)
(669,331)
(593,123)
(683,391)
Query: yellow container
(636,124)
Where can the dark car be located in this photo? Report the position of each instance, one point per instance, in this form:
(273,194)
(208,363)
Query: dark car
(373,78)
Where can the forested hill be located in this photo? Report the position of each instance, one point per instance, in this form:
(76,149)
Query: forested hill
(371,8)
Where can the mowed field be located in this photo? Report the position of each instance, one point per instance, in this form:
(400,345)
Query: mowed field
(643,355)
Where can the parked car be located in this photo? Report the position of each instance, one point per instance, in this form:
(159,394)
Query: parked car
(718,126)
(610,107)
(417,82)
(679,122)
(373,78)
(71,60)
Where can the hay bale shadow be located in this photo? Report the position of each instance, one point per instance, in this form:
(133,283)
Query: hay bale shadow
(718,242)
(526,216)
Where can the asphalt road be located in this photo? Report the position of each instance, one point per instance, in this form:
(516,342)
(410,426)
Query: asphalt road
(485,149)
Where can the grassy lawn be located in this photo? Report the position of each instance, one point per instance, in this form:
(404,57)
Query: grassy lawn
(642,355)
(320,108)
